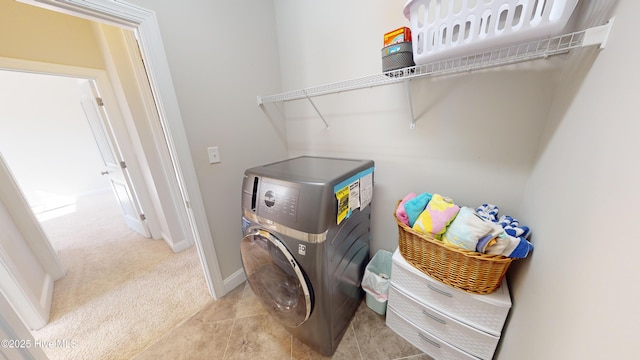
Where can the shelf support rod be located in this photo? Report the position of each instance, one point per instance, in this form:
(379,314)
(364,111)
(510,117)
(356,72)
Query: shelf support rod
(316,109)
(407,88)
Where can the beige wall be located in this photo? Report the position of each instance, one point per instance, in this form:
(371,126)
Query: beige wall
(222,55)
(36,34)
(577,297)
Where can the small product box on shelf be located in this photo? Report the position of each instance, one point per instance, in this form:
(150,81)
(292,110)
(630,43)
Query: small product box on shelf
(399,35)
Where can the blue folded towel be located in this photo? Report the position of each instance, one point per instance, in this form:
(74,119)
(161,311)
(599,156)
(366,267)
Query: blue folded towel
(512,227)
(512,242)
(488,212)
(507,245)
(522,250)
(414,207)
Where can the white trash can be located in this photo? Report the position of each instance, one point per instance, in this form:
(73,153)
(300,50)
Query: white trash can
(375,281)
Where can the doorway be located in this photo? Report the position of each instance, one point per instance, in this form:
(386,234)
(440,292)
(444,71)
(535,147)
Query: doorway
(54,157)
(182,192)
(163,126)
(49,147)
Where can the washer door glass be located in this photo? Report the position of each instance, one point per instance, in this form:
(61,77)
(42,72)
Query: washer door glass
(276,278)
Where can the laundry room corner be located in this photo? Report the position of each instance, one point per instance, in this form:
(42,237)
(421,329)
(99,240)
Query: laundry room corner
(456,116)
(522,136)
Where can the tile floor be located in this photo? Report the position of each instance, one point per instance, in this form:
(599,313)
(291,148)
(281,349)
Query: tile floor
(236,327)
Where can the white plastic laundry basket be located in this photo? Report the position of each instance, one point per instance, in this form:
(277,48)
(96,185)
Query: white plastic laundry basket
(443,29)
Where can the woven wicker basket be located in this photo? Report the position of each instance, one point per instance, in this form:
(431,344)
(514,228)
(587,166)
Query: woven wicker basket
(470,271)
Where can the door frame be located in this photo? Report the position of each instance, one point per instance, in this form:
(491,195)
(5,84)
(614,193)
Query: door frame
(182,178)
(12,327)
(30,246)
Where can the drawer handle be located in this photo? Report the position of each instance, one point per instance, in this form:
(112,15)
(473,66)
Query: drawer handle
(429,340)
(439,291)
(434,317)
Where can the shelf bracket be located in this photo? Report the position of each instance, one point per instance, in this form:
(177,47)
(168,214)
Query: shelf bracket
(316,109)
(598,35)
(407,88)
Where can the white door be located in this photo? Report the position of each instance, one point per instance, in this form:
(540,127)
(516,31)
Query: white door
(115,167)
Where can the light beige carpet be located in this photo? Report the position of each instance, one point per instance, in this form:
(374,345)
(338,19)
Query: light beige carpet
(122,292)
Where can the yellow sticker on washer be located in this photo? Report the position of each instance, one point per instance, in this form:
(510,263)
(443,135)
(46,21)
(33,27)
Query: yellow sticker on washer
(343,203)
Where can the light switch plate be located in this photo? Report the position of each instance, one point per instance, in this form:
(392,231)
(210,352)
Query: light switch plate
(214,155)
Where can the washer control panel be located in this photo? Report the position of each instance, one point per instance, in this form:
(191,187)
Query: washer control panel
(277,201)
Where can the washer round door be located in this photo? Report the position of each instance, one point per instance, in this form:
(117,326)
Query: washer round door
(276,278)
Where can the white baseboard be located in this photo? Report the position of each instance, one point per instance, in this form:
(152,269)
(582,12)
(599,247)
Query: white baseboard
(179,246)
(46,296)
(234,281)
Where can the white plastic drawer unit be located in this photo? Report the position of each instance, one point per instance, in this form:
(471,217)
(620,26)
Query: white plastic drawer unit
(483,312)
(453,331)
(423,340)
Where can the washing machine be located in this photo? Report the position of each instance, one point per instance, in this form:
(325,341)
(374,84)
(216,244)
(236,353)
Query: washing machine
(306,225)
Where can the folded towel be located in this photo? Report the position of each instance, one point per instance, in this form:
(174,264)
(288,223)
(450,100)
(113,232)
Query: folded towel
(401,213)
(468,228)
(510,246)
(437,215)
(513,228)
(485,242)
(522,250)
(488,212)
(414,207)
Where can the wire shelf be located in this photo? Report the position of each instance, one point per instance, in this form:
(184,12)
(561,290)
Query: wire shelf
(533,50)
